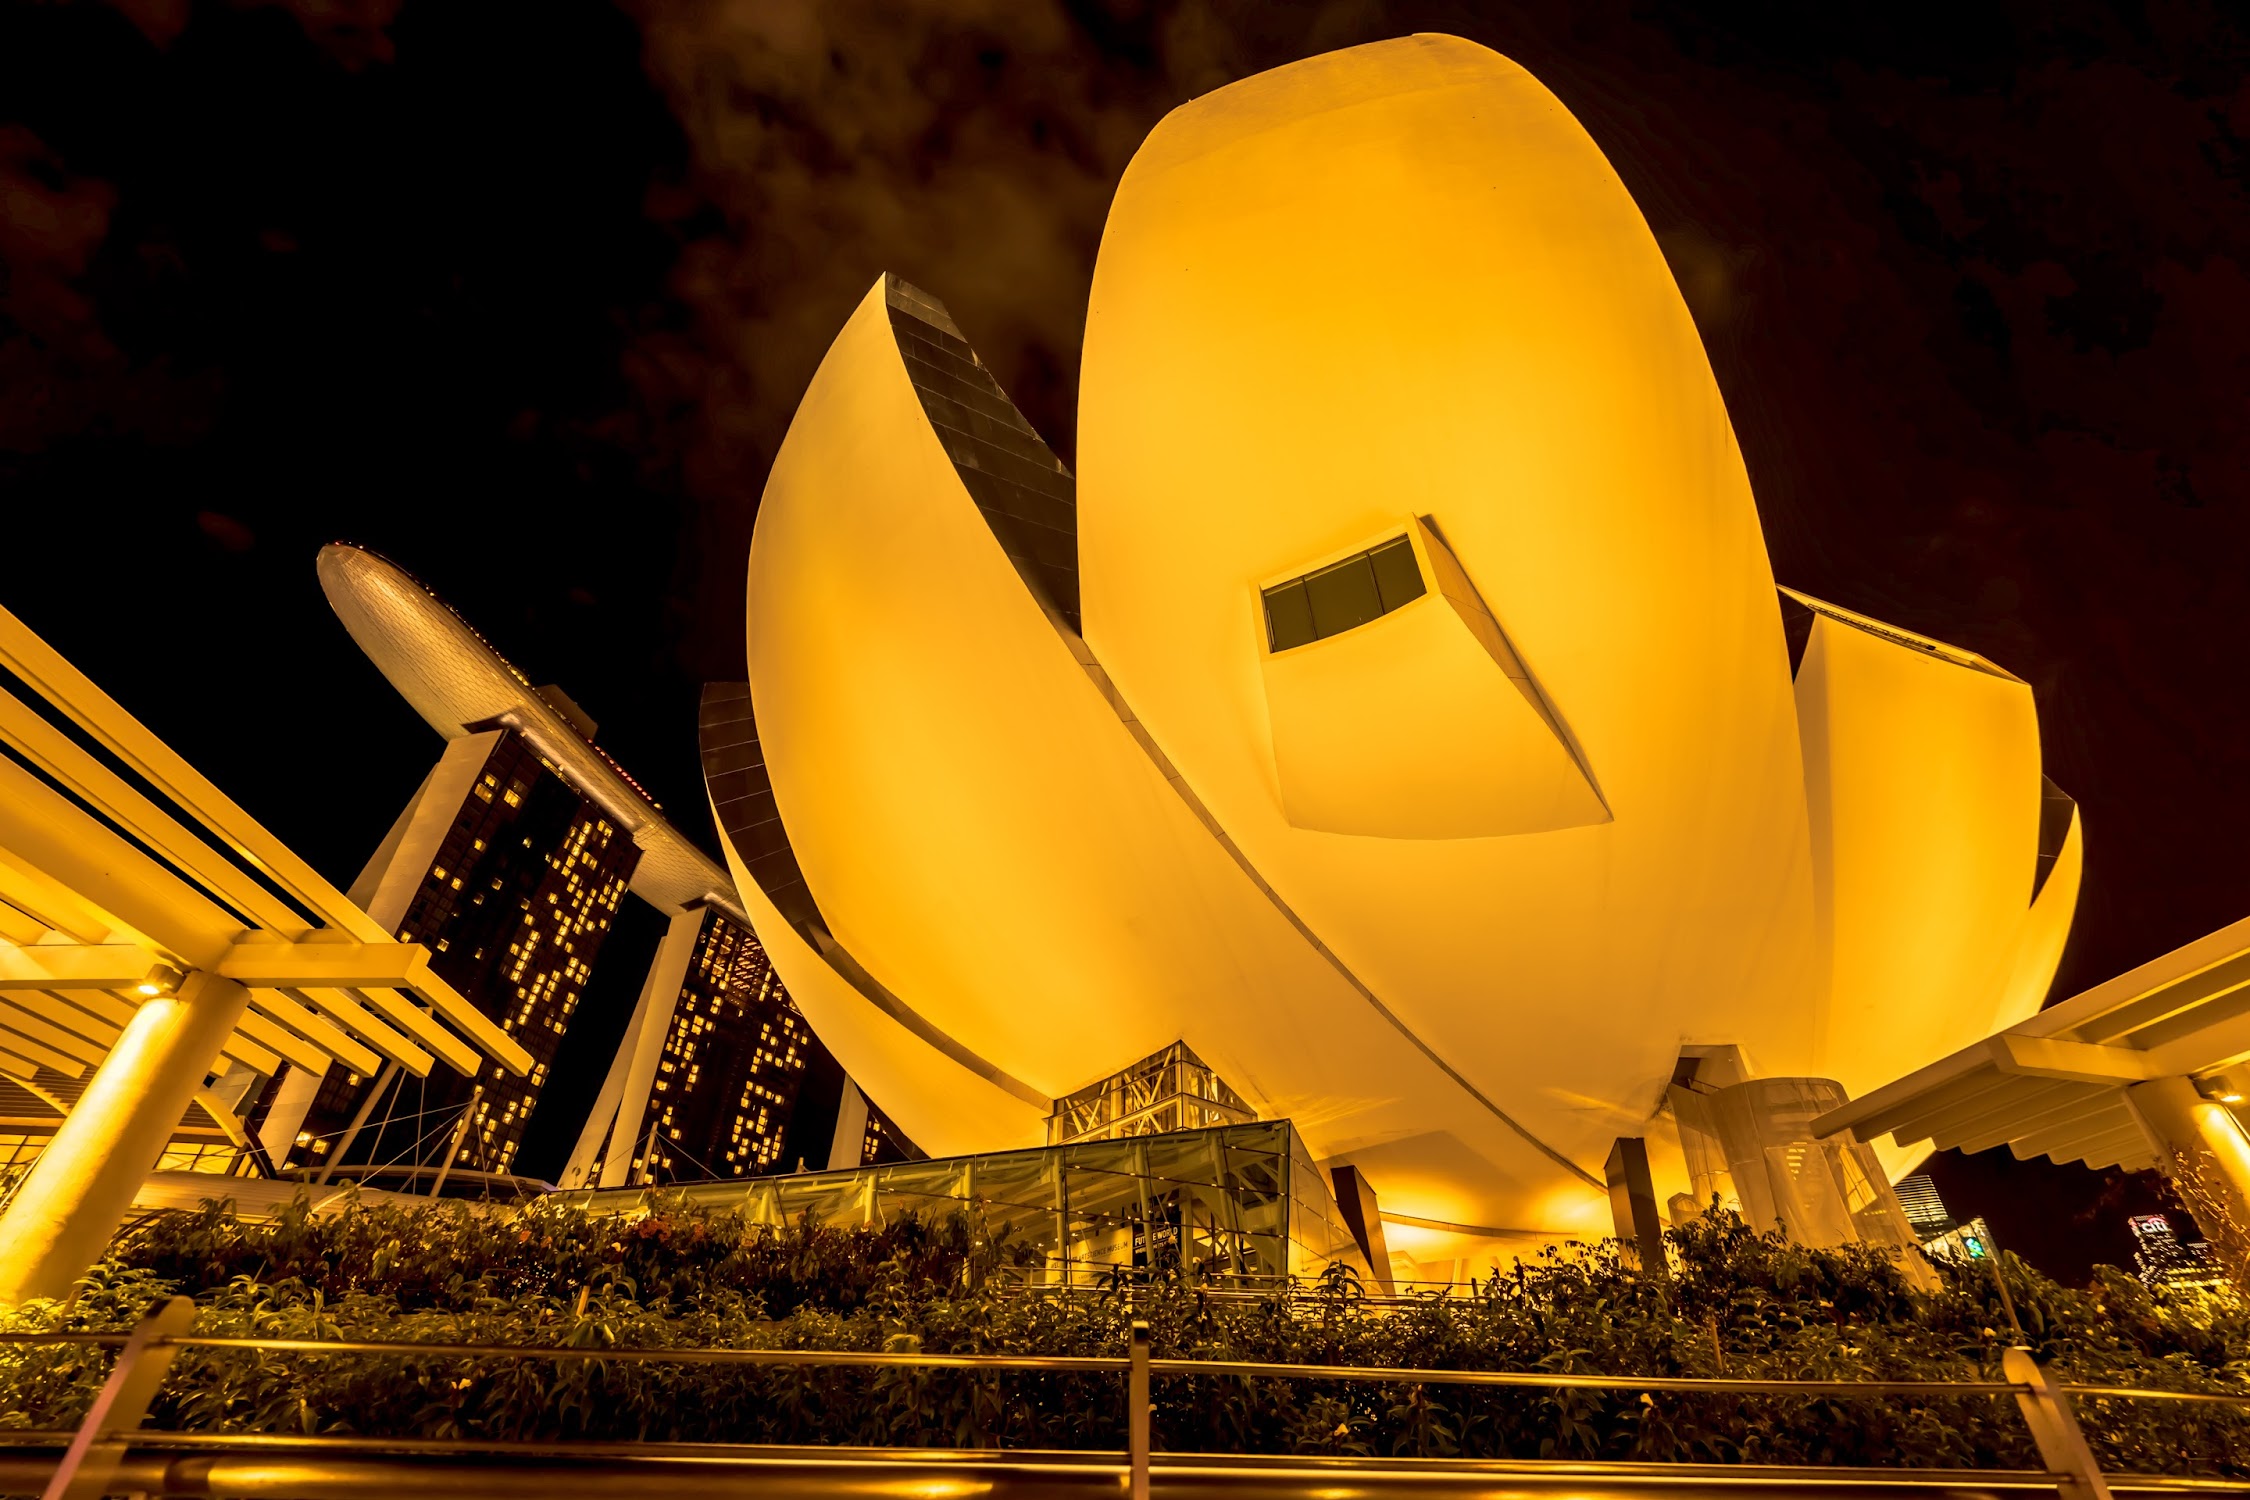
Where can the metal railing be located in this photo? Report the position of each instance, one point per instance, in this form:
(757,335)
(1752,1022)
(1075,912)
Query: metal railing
(91,1463)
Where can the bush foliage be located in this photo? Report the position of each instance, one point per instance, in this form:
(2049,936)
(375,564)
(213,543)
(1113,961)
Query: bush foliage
(1739,1304)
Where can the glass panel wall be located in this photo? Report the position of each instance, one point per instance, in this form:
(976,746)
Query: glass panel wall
(1233,1201)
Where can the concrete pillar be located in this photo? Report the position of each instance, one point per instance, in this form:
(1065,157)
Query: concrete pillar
(851,1128)
(1632,1205)
(2205,1152)
(292,1101)
(1363,1216)
(83,1184)
(660,996)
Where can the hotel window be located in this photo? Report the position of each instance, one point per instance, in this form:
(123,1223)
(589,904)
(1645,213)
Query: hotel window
(1343,595)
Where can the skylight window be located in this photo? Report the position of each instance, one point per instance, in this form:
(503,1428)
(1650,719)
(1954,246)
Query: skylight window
(1343,596)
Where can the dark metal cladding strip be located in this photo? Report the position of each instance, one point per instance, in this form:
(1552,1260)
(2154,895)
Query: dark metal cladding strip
(734,771)
(1030,502)
(1035,521)
(2056,808)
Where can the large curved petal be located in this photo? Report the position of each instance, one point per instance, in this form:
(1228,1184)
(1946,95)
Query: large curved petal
(1922,773)
(1401,282)
(979,826)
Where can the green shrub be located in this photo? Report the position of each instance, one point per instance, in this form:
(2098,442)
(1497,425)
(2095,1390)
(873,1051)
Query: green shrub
(1740,1304)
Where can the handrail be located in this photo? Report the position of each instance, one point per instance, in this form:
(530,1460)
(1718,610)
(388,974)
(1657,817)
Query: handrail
(1097,1363)
(102,1441)
(351,1469)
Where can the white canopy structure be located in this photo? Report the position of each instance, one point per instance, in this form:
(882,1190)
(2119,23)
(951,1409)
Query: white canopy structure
(152,933)
(2146,1070)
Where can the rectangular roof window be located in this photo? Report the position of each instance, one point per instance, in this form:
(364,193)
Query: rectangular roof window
(1343,595)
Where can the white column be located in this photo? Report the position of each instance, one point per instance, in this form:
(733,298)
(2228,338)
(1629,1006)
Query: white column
(292,1101)
(659,995)
(84,1182)
(386,887)
(851,1128)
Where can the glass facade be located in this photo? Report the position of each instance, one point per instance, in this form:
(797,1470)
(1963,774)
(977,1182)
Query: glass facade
(743,1087)
(1752,1145)
(513,908)
(1233,1201)
(1925,1210)
(1168,1090)
(738,1062)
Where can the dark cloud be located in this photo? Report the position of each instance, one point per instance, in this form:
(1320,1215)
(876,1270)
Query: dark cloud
(1974,287)
(61,373)
(353,32)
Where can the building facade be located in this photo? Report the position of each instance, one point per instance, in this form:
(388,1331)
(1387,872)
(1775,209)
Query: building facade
(720,1076)
(511,877)
(2165,1262)
(1918,1197)
(159,951)
(1243,1203)
(511,863)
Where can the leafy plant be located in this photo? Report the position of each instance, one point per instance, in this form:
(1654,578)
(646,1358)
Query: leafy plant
(1739,1304)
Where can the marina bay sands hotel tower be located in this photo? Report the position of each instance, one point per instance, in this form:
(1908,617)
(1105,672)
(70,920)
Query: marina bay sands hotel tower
(510,863)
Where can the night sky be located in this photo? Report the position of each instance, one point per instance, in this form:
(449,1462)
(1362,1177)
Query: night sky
(522,296)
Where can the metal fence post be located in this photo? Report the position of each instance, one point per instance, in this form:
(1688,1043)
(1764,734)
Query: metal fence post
(1137,1412)
(2054,1427)
(98,1447)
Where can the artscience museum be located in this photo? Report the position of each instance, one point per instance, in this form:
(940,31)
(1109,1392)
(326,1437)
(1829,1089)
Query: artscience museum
(1394,713)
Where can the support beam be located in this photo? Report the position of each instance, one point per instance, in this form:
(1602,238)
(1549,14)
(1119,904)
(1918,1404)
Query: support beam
(2126,1147)
(286,965)
(41,668)
(32,1050)
(2080,1103)
(2065,1139)
(282,1041)
(344,1008)
(1928,1112)
(47,902)
(1632,1205)
(423,1027)
(75,1018)
(2006,1099)
(93,966)
(83,1184)
(114,1014)
(62,758)
(28,1023)
(329,1039)
(2050,1057)
(2217,1044)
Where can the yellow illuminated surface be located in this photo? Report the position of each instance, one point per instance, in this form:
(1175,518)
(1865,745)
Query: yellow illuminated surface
(1449,889)
(1923,777)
